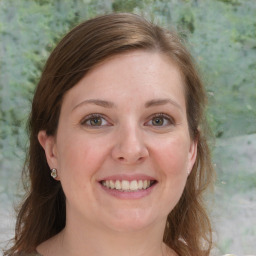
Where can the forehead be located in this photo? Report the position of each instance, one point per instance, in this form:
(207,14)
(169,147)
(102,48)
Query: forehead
(135,75)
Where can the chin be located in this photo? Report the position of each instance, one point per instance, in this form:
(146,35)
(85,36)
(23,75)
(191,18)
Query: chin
(132,220)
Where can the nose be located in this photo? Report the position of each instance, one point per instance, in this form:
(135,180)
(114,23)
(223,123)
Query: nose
(129,147)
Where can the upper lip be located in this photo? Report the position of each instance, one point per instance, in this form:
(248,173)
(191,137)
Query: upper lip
(127,177)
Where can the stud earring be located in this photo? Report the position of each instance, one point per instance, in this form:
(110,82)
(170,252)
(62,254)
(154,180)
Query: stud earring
(188,172)
(54,173)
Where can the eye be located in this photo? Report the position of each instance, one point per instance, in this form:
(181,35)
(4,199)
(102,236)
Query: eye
(160,120)
(95,120)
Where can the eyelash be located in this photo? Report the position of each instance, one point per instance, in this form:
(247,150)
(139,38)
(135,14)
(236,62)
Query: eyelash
(91,117)
(170,120)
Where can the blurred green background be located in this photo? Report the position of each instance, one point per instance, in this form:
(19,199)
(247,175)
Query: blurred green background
(221,34)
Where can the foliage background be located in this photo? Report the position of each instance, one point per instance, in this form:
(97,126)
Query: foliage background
(221,34)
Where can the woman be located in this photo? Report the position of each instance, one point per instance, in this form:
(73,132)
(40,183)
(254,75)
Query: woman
(117,162)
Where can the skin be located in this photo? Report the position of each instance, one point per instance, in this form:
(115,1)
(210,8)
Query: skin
(131,138)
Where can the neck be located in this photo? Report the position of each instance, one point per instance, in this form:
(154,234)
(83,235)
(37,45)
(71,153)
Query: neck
(78,238)
(99,241)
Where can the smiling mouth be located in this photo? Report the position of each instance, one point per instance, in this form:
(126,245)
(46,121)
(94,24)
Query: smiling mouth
(128,186)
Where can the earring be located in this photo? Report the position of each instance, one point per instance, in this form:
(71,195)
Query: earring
(188,172)
(54,173)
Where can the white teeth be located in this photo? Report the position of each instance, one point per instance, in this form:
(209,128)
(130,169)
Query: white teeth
(140,184)
(112,184)
(126,185)
(134,185)
(118,185)
(145,184)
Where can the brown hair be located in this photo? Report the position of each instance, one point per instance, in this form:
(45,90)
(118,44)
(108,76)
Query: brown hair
(42,215)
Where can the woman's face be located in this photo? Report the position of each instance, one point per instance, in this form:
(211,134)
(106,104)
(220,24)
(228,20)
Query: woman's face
(122,148)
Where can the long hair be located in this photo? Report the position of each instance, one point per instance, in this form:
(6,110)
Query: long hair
(43,212)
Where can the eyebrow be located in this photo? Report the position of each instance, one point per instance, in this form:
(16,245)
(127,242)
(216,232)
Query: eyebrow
(109,104)
(160,102)
(101,103)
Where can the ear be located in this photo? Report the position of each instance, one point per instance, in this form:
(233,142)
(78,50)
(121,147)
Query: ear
(192,155)
(49,146)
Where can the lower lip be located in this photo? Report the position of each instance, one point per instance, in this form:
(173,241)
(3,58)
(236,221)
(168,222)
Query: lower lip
(128,195)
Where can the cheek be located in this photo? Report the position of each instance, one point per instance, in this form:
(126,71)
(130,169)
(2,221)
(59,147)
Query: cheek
(79,160)
(172,156)
(79,156)
(172,160)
